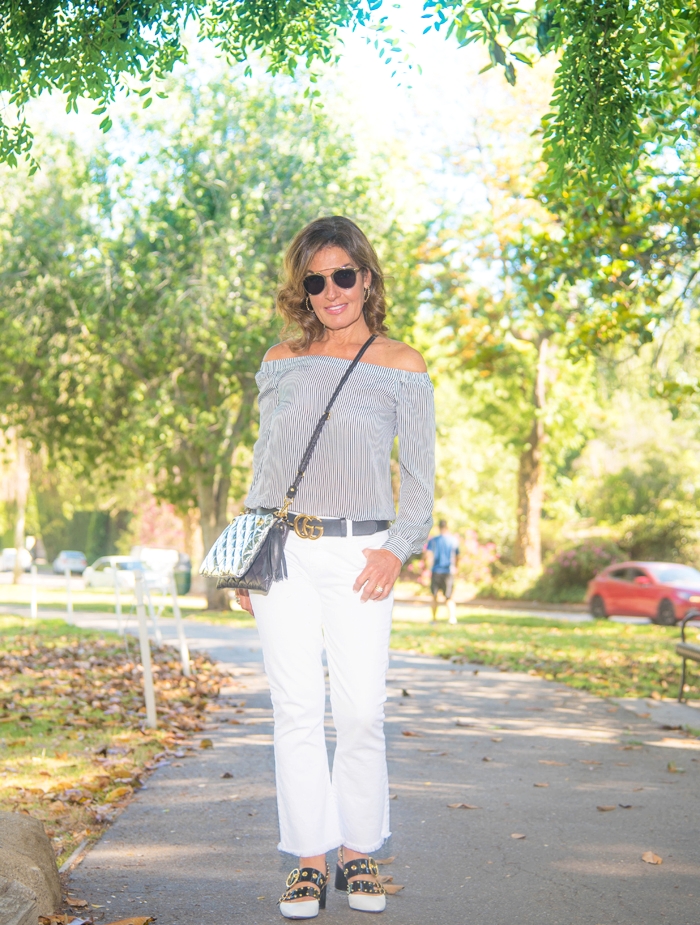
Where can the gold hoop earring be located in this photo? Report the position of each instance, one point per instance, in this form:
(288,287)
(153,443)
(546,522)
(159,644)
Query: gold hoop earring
(308,305)
(367,293)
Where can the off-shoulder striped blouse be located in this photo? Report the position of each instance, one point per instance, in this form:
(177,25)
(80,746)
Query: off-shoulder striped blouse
(349,474)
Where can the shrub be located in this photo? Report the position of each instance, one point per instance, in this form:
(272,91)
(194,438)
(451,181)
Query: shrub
(669,534)
(475,558)
(569,571)
(511,583)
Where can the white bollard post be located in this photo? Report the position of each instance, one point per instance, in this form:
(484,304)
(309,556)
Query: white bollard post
(148,689)
(33,606)
(69,599)
(182,639)
(157,635)
(118,601)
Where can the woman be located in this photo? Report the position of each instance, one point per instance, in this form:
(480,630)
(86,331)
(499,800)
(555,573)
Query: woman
(343,555)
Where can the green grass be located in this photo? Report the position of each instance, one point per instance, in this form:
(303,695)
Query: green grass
(607,659)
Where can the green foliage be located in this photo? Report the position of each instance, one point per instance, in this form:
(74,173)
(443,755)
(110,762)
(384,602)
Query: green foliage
(476,469)
(567,574)
(93,50)
(628,75)
(608,659)
(97,541)
(508,582)
(671,533)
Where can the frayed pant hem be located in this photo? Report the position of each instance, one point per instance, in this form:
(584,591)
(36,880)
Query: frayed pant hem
(363,849)
(311,853)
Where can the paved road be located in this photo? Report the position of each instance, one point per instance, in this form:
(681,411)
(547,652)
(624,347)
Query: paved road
(536,759)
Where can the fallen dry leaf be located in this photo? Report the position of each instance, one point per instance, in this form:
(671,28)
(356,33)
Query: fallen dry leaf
(119,793)
(385,860)
(206,743)
(589,761)
(461,806)
(227,775)
(554,764)
(605,809)
(496,738)
(392,888)
(542,784)
(464,722)
(486,758)
(409,732)
(57,919)
(77,903)
(650,858)
(517,835)
(136,920)
(625,805)
(673,768)
(393,796)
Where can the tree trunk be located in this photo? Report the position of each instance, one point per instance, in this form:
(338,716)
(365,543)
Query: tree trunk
(212,496)
(21,496)
(528,545)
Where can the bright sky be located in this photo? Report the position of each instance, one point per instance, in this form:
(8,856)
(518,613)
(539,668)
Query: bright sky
(424,116)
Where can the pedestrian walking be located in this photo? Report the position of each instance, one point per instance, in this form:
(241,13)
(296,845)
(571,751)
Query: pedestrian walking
(444,550)
(343,555)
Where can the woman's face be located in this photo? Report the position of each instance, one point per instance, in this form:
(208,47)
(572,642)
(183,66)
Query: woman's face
(337,308)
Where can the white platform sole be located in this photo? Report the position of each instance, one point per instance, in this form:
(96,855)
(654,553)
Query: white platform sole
(367,902)
(305,910)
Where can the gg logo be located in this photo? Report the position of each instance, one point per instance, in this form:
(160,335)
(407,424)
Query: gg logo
(304,528)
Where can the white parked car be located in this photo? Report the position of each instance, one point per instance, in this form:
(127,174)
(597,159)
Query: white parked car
(102,572)
(8,557)
(69,559)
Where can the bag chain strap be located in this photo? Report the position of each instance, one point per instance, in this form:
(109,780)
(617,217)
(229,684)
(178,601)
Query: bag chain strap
(292,490)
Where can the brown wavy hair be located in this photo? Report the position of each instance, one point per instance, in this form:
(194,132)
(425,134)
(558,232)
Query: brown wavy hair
(332,231)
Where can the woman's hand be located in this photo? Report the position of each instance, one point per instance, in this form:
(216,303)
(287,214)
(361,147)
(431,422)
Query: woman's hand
(243,598)
(379,575)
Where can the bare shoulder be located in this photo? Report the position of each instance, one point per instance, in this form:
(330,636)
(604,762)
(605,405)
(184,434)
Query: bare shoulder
(397,355)
(279,352)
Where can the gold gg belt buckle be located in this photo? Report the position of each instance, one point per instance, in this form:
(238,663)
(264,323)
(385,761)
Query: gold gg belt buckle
(308,527)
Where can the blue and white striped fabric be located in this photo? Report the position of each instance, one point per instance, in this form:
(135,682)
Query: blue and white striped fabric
(349,474)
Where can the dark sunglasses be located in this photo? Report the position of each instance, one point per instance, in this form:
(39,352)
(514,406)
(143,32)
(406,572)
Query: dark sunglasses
(344,278)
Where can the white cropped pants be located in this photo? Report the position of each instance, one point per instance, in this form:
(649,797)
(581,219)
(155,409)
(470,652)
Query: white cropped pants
(316,605)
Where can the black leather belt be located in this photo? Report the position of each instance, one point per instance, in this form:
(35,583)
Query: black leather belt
(312,528)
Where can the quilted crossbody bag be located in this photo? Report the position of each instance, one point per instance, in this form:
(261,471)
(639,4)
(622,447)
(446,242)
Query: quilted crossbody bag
(249,554)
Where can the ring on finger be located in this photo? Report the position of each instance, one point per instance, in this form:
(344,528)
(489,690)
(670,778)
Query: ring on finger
(378,589)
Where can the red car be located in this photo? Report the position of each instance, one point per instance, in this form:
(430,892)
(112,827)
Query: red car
(660,590)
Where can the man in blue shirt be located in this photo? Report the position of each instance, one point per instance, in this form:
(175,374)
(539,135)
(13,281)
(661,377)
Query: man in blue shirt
(444,550)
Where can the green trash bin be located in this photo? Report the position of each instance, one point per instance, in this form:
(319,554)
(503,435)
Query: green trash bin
(183,574)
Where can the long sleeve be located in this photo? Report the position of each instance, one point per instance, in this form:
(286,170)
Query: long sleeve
(268,399)
(415,423)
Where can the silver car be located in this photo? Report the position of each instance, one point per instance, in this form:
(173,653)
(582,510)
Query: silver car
(105,571)
(70,559)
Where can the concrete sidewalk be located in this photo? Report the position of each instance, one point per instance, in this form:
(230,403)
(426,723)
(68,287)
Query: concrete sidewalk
(536,758)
